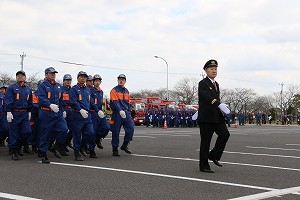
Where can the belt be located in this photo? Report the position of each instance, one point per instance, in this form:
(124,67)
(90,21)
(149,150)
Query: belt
(92,110)
(43,108)
(1,113)
(67,106)
(19,110)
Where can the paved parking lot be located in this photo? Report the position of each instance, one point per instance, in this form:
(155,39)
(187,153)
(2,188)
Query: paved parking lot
(258,160)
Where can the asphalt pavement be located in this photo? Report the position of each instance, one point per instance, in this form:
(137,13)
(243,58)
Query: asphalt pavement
(259,160)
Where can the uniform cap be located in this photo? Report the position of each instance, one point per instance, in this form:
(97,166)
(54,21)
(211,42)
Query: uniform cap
(122,76)
(97,76)
(50,70)
(82,73)
(67,77)
(21,72)
(210,63)
(89,78)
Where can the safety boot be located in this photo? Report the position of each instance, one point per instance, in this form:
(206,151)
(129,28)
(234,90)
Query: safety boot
(78,156)
(82,151)
(124,147)
(115,151)
(26,149)
(93,154)
(61,149)
(86,149)
(53,149)
(35,149)
(45,158)
(14,155)
(20,151)
(99,143)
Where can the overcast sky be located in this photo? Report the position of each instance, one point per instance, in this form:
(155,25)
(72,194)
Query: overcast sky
(255,42)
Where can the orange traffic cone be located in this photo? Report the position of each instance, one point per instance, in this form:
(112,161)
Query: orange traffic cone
(235,124)
(165,124)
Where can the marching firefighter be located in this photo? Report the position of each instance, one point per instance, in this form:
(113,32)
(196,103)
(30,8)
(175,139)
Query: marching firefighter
(100,123)
(119,101)
(18,106)
(52,122)
(3,120)
(82,126)
(66,88)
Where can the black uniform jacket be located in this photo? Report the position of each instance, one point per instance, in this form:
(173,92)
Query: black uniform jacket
(209,100)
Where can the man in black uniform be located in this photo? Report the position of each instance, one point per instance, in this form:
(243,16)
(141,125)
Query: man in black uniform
(211,118)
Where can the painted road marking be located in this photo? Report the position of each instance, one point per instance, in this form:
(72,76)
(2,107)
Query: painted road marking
(16,197)
(163,175)
(271,148)
(261,154)
(293,144)
(230,163)
(269,194)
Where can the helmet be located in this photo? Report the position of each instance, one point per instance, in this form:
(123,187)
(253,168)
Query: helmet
(97,76)
(20,72)
(82,73)
(2,86)
(50,70)
(89,78)
(67,77)
(122,76)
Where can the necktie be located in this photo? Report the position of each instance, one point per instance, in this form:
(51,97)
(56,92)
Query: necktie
(215,86)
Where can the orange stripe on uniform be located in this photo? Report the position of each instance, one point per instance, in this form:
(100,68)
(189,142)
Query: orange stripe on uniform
(113,95)
(48,95)
(18,96)
(35,98)
(66,97)
(127,96)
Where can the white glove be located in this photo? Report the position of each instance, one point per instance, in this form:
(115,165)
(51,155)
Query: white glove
(54,108)
(84,113)
(101,114)
(224,108)
(64,114)
(9,117)
(123,114)
(29,116)
(195,116)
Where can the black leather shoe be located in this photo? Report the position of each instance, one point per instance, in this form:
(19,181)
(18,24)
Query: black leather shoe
(14,156)
(78,156)
(207,170)
(20,152)
(115,151)
(45,158)
(27,150)
(93,154)
(57,154)
(215,161)
(99,143)
(82,151)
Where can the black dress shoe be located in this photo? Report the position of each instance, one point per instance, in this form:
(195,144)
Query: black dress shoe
(207,170)
(215,161)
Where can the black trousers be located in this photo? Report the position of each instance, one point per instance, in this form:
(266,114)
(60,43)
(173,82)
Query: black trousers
(206,133)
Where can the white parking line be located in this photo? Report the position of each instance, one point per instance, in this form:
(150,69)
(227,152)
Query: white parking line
(261,154)
(269,194)
(230,163)
(293,144)
(16,197)
(164,175)
(272,148)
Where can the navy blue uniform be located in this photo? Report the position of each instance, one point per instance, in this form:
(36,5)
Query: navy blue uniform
(18,101)
(52,124)
(3,121)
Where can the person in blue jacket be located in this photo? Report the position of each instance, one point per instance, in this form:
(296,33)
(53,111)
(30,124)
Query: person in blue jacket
(121,116)
(82,126)
(100,123)
(52,123)
(18,102)
(3,120)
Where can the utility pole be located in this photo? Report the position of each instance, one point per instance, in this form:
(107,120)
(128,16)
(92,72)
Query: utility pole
(281,102)
(22,60)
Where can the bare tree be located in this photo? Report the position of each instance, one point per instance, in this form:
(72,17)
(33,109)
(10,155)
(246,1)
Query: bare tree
(238,98)
(185,91)
(6,79)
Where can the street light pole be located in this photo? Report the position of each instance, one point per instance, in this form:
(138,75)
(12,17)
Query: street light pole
(167,75)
